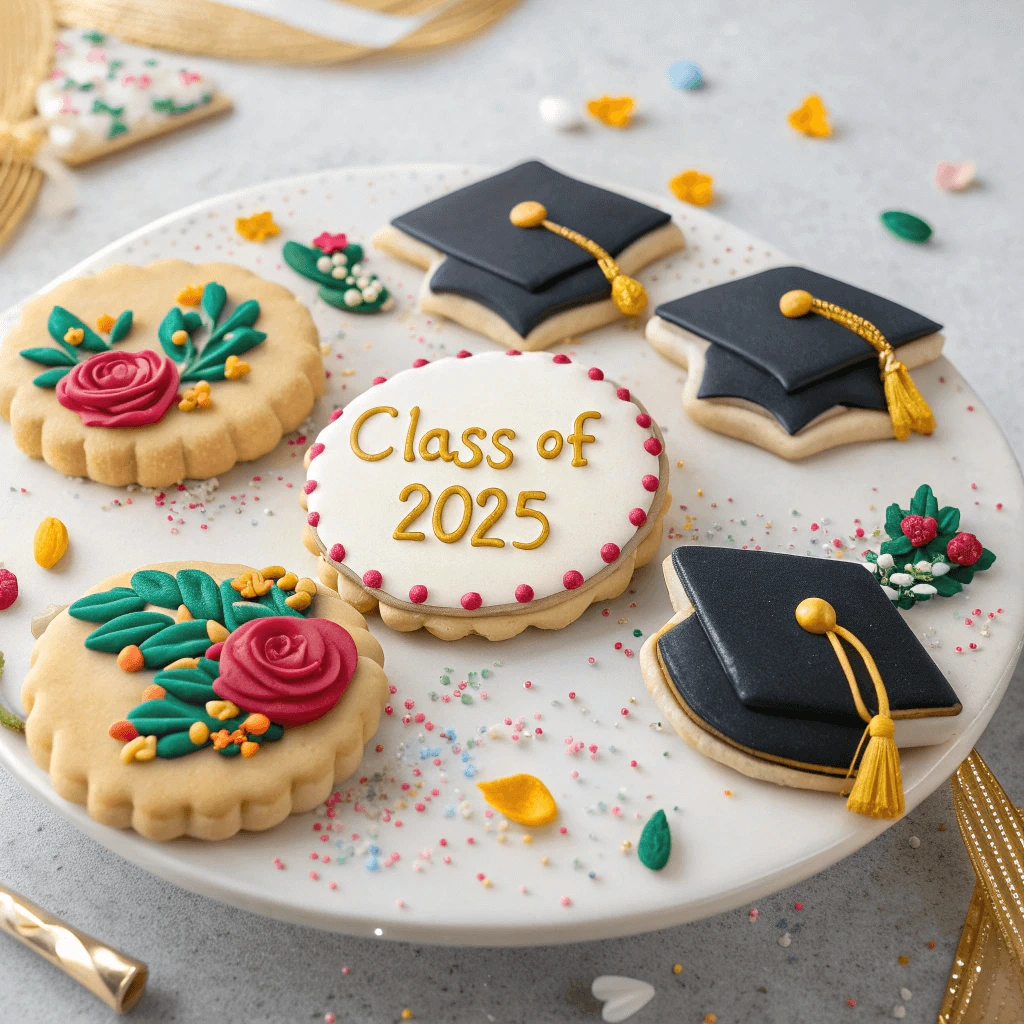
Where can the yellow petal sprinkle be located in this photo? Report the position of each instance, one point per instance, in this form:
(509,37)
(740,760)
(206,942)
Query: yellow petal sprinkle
(523,798)
(614,111)
(190,295)
(105,322)
(693,187)
(811,118)
(257,228)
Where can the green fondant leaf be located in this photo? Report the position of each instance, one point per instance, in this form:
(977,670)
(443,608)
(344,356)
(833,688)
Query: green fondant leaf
(192,320)
(49,378)
(898,546)
(130,628)
(919,503)
(946,586)
(353,252)
(157,587)
(245,314)
(280,598)
(47,356)
(107,605)
(168,715)
(177,744)
(122,327)
(655,842)
(239,341)
(179,640)
(211,669)
(336,297)
(61,320)
(986,560)
(906,226)
(200,594)
(190,685)
(214,297)
(245,611)
(302,259)
(228,597)
(231,750)
(962,574)
(893,517)
(173,322)
(931,507)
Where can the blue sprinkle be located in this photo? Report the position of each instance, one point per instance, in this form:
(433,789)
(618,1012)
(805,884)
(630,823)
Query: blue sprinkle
(372,864)
(470,771)
(684,74)
(449,812)
(464,756)
(591,874)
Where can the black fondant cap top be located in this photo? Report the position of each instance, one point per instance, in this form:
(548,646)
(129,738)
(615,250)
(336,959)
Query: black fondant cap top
(746,603)
(743,316)
(472,224)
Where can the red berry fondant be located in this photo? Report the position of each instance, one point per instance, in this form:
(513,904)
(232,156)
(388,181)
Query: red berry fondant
(964,549)
(8,588)
(919,530)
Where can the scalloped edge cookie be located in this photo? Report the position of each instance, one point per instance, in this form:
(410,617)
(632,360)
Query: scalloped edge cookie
(247,418)
(72,694)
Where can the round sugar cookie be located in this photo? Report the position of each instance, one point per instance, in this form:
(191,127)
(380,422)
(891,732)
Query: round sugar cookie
(199,699)
(155,374)
(487,493)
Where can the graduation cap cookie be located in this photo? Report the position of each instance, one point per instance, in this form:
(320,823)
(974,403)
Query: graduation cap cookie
(795,670)
(531,256)
(797,362)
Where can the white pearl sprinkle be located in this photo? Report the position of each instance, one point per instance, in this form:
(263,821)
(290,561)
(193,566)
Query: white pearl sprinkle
(558,113)
(915,843)
(357,268)
(338,272)
(324,264)
(353,297)
(339,259)
(906,995)
(899,1011)
(785,939)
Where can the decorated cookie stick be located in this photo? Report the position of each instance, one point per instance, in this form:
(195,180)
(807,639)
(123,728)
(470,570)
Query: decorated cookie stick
(103,95)
(795,670)
(831,368)
(202,366)
(335,264)
(485,494)
(198,699)
(532,279)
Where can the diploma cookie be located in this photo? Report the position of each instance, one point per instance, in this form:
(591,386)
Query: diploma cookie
(795,670)
(486,494)
(198,699)
(154,374)
(103,95)
(801,381)
(529,283)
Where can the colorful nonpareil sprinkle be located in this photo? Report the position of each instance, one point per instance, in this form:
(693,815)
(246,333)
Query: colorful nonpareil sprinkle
(684,74)
(955,177)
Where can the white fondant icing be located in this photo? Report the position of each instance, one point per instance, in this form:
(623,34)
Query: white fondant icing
(587,506)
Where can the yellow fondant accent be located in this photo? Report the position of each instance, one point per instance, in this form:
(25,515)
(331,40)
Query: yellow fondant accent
(523,798)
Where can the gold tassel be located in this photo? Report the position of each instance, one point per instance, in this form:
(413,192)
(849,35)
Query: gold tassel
(878,789)
(629,295)
(908,410)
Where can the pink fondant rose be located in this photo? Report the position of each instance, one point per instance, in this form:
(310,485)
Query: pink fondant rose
(120,389)
(292,670)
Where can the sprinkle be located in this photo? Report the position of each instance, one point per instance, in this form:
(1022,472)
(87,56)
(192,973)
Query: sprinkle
(190,295)
(595,373)
(693,187)
(524,593)
(565,901)
(471,601)
(328,243)
(558,113)
(684,74)
(915,843)
(418,594)
(572,580)
(811,118)
(955,177)
(906,226)
(257,228)
(614,111)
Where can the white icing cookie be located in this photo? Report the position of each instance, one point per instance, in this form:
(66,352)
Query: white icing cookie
(486,494)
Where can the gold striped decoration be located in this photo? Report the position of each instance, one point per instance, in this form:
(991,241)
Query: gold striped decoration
(26,46)
(986,980)
(218,30)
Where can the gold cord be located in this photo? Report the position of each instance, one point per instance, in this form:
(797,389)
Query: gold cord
(878,788)
(629,295)
(908,410)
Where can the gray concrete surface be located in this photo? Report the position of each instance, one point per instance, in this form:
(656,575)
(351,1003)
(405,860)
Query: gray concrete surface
(908,84)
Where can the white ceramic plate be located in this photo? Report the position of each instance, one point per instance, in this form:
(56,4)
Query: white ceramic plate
(728,849)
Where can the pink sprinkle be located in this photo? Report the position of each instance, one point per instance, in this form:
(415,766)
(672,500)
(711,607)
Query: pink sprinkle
(314,451)
(650,482)
(513,352)
(595,373)
(565,901)
(378,380)
(328,1018)
(572,695)
(524,593)
(346,970)
(652,446)
(417,363)
(798,906)
(314,876)
(977,611)
(632,764)
(388,709)
(637,516)
(372,578)
(753,913)
(973,646)
(442,842)
(609,552)
(336,414)
(624,712)
(958,649)
(337,553)
(418,594)
(572,580)
(563,830)
(471,601)
(409,705)
(836,542)
(815,527)
(447,859)
(527,685)
(622,393)
(313,519)
(332,885)
(561,359)
(463,354)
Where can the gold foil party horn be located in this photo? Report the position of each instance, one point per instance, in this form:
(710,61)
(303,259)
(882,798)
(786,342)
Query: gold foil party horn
(117,979)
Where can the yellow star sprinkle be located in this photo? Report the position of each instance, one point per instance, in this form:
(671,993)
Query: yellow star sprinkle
(811,118)
(257,228)
(192,294)
(614,111)
(104,323)
(692,187)
(523,798)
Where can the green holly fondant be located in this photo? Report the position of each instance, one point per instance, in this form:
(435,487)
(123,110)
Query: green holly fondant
(166,105)
(339,283)
(233,337)
(926,555)
(655,844)
(124,619)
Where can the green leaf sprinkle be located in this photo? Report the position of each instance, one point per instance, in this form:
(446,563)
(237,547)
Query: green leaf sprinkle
(655,842)
(906,226)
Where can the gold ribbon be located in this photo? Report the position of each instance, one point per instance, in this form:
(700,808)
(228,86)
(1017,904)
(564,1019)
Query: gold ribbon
(908,410)
(986,980)
(629,296)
